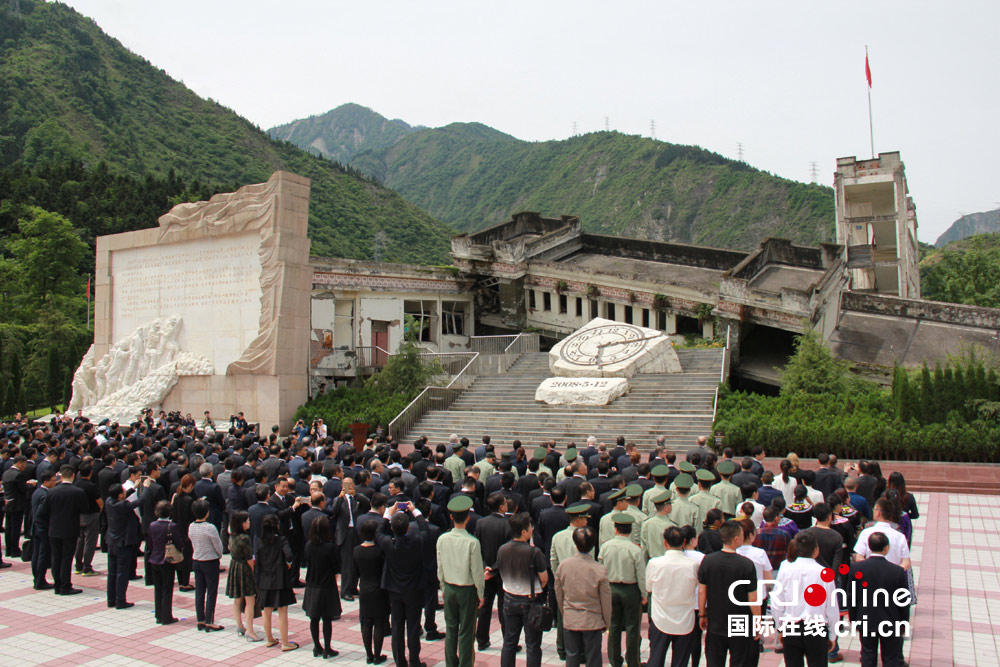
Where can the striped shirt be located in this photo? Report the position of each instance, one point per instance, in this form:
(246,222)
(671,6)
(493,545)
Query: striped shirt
(205,541)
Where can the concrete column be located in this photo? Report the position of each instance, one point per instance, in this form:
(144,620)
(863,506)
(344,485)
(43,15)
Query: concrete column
(708,329)
(671,323)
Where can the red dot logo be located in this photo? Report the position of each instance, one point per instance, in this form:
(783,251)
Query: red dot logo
(815,595)
(844,568)
(857,575)
(864,584)
(826,575)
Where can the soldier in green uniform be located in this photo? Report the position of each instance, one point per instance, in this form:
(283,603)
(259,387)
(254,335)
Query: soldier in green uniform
(607,526)
(486,467)
(460,571)
(729,495)
(455,464)
(660,474)
(539,455)
(627,574)
(704,498)
(563,548)
(684,467)
(684,512)
(633,492)
(653,527)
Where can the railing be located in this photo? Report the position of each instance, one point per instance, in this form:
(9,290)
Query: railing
(722,374)
(500,354)
(370,356)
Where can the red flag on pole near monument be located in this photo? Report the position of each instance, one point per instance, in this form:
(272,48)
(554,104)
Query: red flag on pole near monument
(88,287)
(868,70)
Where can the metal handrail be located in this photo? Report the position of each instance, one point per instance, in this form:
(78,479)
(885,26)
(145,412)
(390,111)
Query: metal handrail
(722,374)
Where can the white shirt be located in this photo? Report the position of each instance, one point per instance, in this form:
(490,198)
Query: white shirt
(898,549)
(697,557)
(815,496)
(795,577)
(759,559)
(672,582)
(787,488)
(758,512)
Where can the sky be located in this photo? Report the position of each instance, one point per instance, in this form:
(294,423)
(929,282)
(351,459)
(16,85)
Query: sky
(784,79)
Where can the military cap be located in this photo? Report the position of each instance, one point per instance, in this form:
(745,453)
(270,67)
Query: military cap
(660,471)
(704,475)
(540,453)
(622,518)
(633,491)
(684,481)
(578,510)
(686,466)
(505,455)
(570,454)
(616,494)
(726,468)
(662,497)
(460,503)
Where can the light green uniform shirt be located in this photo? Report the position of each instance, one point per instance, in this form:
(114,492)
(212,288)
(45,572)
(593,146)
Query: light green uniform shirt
(624,561)
(460,560)
(486,469)
(563,547)
(648,508)
(456,465)
(685,513)
(607,528)
(652,535)
(704,501)
(729,496)
(544,468)
(639,515)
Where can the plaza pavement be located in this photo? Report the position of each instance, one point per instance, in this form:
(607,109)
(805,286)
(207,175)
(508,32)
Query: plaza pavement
(956,562)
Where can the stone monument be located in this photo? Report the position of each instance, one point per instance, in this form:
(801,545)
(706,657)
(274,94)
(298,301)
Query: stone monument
(208,311)
(593,364)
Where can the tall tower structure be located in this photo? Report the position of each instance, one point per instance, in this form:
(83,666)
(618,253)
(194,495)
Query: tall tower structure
(877,224)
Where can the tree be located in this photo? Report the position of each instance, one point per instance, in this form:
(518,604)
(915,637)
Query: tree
(812,369)
(405,372)
(48,250)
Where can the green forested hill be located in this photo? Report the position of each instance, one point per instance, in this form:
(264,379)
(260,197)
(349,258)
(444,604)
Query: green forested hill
(964,271)
(471,176)
(70,92)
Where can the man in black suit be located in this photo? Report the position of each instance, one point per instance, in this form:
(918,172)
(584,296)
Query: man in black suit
(828,477)
(543,501)
(258,511)
(153,494)
(601,482)
(883,579)
(746,475)
(551,521)
(378,501)
(207,488)
(493,532)
(15,492)
(343,515)
(62,508)
(41,555)
(124,533)
(571,485)
(402,578)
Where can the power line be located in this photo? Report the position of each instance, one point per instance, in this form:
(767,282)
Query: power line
(739,151)
(813,171)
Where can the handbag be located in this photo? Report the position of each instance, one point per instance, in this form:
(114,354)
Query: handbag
(27,547)
(540,616)
(171,554)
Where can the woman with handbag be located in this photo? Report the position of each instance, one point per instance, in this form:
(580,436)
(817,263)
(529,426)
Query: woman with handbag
(274,582)
(184,517)
(164,554)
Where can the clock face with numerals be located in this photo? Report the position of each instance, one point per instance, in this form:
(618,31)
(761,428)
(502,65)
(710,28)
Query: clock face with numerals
(603,345)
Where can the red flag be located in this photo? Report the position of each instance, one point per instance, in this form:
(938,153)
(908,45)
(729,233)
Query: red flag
(88,288)
(868,70)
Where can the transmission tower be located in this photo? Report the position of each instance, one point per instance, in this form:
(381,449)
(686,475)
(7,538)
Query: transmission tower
(15,7)
(652,129)
(739,151)
(607,124)
(379,245)
(813,171)
(574,128)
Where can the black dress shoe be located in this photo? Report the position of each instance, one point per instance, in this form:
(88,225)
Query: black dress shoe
(348,598)
(317,652)
(135,578)
(434,635)
(330,653)
(168,621)
(71,591)
(45,586)
(125,605)
(3,565)
(111,604)
(484,645)
(379,660)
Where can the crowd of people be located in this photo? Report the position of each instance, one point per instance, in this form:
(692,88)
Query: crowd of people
(581,540)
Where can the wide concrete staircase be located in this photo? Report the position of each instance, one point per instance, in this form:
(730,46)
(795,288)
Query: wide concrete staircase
(677,406)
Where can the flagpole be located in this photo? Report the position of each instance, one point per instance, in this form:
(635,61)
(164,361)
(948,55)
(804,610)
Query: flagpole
(871,133)
(88,302)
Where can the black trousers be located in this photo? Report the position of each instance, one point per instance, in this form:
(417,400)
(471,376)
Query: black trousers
(583,647)
(63,549)
(742,651)
(891,649)
(800,649)
(206,589)
(431,604)
(163,590)
(348,572)
(492,591)
(12,532)
(515,608)
(119,572)
(661,642)
(41,558)
(405,611)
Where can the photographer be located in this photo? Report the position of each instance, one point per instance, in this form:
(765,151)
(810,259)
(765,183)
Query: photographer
(402,545)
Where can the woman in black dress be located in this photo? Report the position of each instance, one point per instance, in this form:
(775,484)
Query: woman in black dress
(184,517)
(274,581)
(322,599)
(240,584)
(374,603)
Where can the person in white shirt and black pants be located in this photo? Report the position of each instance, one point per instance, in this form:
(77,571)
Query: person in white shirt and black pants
(672,583)
(795,615)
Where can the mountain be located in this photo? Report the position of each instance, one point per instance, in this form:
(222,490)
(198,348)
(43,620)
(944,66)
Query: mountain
(342,133)
(71,93)
(964,271)
(970,224)
(471,176)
